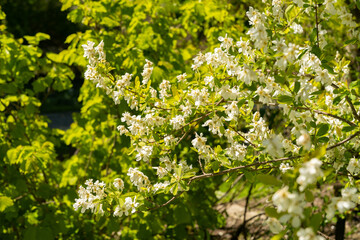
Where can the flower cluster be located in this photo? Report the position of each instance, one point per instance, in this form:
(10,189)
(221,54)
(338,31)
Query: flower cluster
(309,172)
(348,200)
(129,207)
(291,204)
(90,197)
(139,179)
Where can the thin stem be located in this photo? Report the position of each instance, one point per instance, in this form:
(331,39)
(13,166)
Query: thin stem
(252,144)
(166,203)
(245,210)
(208,175)
(353,110)
(201,166)
(343,141)
(317,24)
(330,115)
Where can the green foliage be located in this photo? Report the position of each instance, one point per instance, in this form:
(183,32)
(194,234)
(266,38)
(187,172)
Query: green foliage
(40,178)
(39,188)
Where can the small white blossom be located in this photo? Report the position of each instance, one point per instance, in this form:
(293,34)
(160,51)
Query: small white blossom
(274,225)
(118,184)
(284,167)
(354,166)
(274,145)
(309,172)
(308,234)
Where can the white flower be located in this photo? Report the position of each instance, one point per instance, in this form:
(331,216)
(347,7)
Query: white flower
(308,234)
(138,179)
(122,129)
(160,185)
(274,225)
(215,124)
(144,153)
(199,141)
(291,204)
(274,145)
(236,151)
(354,166)
(168,164)
(128,207)
(170,140)
(226,42)
(177,122)
(181,77)
(285,167)
(160,171)
(209,81)
(148,68)
(89,49)
(228,93)
(91,196)
(304,140)
(100,50)
(118,184)
(297,28)
(232,111)
(309,173)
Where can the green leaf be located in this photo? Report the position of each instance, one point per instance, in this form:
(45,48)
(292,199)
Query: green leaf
(215,166)
(268,180)
(316,50)
(323,129)
(271,212)
(2,15)
(288,11)
(296,87)
(249,176)
(250,105)
(279,236)
(302,54)
(280,79)
(316,221)
(5,202)
(348,128)
(350,41)
(309,197)
(323,140)
(285,99)
(319,152)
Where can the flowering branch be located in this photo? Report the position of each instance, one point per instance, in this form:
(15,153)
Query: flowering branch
(343,141)
(209,175)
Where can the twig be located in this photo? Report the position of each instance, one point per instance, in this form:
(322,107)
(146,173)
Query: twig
(325,236)
(252,144)
(317,24)
(201,166)
(330,115)
(166,203)
(343,141)
(245,210)
(353,110)
(232,185)
(208,175)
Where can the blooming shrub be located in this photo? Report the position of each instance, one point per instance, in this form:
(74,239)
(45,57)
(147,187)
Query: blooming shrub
(216,106)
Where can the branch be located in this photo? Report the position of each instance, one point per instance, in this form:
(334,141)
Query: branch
(164,204)
(353,110)
(325,236)
(343,141)
(252,144)
(330,115)
(208,175)
(317,24)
